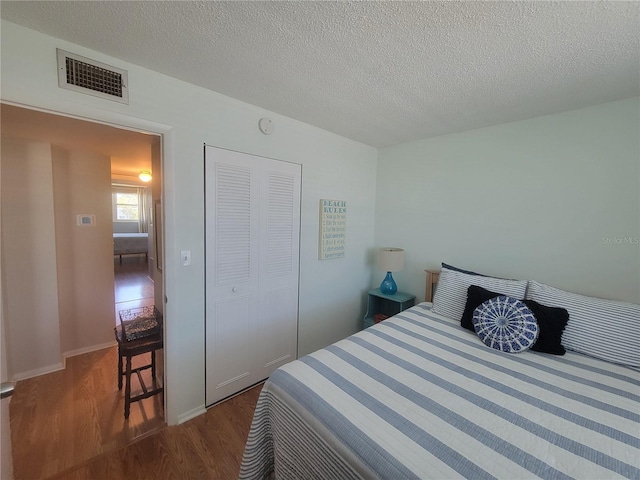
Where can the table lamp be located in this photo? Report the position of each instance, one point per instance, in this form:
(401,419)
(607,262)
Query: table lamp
(390,260)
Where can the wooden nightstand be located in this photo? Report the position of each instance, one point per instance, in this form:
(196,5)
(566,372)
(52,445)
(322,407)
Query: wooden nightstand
(379,303)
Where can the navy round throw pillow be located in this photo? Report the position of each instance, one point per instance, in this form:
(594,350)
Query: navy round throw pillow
(506,324)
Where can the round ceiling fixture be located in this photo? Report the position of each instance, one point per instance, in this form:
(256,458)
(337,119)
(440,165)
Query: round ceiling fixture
(145,176)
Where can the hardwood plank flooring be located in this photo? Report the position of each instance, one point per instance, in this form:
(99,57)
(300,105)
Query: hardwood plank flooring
(133,287)
(70,425)
(62,419)
(208,447)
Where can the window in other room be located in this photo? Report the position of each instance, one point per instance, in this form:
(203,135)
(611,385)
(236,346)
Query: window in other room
(125,205)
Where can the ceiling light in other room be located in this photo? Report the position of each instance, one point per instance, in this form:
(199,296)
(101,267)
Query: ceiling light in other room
(145,176)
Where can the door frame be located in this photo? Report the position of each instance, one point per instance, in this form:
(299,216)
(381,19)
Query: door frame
(126,122)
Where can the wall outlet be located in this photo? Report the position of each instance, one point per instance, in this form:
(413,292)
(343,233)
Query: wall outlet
(185,258)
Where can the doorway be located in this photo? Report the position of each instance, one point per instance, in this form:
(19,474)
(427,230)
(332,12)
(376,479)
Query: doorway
(91,360)
(134,249)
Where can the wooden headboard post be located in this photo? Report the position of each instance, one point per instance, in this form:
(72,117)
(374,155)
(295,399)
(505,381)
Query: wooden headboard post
(432,279)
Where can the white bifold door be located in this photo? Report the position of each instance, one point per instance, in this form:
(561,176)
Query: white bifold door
(252,229)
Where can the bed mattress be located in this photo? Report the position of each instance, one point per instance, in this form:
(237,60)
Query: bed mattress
(129,243)
(417,396)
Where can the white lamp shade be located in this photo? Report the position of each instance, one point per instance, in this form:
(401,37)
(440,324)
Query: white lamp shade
(391,259)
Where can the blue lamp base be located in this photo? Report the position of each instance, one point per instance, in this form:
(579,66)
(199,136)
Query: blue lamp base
(388,285)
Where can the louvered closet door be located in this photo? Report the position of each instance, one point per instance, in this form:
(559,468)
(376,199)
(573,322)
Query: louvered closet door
(252,257)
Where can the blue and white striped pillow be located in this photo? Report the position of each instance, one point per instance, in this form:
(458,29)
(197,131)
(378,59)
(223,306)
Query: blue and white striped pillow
(451,292)
(606,329)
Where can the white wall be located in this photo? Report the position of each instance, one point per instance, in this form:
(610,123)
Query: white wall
(82,185)
(331,292)
(58,276)
(29,258)
(6,458)
(554,198)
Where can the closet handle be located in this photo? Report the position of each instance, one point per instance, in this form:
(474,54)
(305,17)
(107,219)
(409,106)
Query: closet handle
(234,289)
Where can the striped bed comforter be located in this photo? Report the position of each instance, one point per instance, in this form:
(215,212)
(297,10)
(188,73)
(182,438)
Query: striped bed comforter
(417,396)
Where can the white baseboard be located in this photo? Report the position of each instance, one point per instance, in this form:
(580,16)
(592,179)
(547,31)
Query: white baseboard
(38,371)
(186,416)
(93,348)
(61,365)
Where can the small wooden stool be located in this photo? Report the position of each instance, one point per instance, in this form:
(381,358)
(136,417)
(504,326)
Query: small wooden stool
(130,349)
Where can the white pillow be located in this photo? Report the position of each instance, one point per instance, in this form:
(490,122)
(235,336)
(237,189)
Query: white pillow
(605,329)
(450,297)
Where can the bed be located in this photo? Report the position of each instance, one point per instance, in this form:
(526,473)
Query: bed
(131,244)
(418,396)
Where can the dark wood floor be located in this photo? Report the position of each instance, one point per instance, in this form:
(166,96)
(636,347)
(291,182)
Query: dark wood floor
(62,419)
(70,424)
(208,447)
(133,287)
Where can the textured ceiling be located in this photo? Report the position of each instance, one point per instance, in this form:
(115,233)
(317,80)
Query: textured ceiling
(378,72)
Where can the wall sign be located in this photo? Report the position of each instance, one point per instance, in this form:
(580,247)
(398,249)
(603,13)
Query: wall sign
(333,229)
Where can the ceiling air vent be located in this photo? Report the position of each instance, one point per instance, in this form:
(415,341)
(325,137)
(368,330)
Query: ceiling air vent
(88,76)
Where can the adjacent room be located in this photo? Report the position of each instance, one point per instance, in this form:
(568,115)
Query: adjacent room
(97,281)
(380,239)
